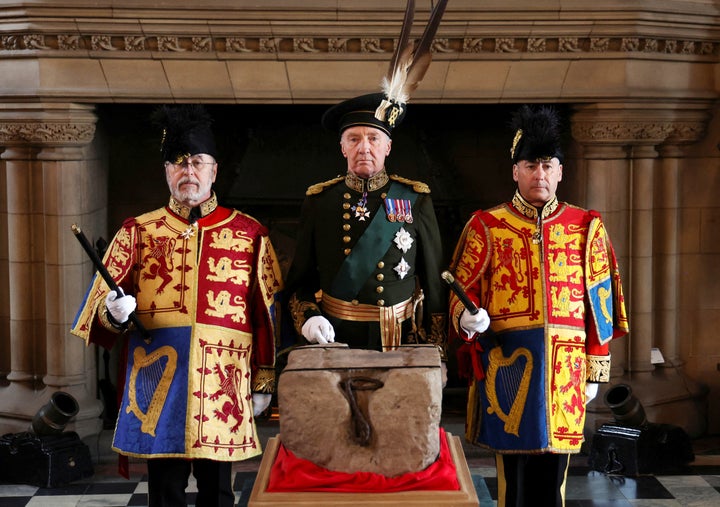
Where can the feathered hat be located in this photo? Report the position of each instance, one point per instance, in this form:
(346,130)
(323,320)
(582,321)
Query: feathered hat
(185,131)
(385,110)
(537,134)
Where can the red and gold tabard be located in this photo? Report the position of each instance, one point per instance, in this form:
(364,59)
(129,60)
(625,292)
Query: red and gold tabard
(550,283)
(206,293)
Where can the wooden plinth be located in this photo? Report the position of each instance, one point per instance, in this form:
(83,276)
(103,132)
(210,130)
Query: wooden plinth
(464,497)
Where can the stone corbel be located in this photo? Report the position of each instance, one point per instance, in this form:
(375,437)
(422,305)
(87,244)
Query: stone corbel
(46,125)
(639,125)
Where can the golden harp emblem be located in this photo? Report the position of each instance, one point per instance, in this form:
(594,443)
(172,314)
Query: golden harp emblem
(514,381)
(154,384)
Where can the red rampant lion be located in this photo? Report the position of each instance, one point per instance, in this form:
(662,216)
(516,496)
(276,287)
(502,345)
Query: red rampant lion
(509,260)
(160,250)
(577,400)
(230,387)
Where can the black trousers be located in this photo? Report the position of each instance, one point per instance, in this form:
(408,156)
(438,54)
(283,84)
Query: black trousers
(531,479)
(168,479)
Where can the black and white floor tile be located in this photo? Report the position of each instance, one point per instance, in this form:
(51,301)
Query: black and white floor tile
(697,485)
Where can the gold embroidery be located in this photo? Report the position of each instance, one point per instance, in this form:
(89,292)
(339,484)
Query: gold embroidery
(120,255)
(225,269)
(438,333)
(150,361)
(206,207)
(474,244)
(264,381)
(563,271)
(297,311)
(236,241)
(319,187)
(374,182)
(604,295)
(516,140)
(221,306)
(418,186)
(496,360)
(530,211)
(598,368)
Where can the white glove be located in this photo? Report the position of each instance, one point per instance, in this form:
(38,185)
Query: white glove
(261,401)
(591,390)
(477,323)
(317,329)
(120,307)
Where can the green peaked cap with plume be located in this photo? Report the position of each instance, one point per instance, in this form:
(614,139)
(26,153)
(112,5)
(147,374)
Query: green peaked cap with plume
(386,109)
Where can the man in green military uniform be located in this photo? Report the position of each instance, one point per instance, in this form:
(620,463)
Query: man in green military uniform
(367,266)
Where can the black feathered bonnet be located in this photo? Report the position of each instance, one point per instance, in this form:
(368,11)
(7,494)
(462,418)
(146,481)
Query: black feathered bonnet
(185,131)
(537,134)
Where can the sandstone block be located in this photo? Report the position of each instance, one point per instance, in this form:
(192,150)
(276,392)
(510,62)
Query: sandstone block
(353,410)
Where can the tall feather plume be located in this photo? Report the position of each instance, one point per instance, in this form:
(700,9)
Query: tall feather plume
(409,62)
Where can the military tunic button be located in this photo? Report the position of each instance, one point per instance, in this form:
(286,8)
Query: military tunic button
(346,227)
(381,264)
(355,302)
(346,216)
(347,251)
(346,205)
(381,302)
(346,239)
(380,277)
(379,289)
(383,195)
(346,195)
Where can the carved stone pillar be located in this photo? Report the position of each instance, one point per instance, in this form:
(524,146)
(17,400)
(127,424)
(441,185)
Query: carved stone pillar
(607,189)
(48,162)
(686,130)
(646,241)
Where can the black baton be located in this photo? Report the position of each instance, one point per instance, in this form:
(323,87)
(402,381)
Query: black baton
(102,270)
(459,292)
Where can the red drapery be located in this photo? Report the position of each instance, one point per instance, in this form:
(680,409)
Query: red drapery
(292,474)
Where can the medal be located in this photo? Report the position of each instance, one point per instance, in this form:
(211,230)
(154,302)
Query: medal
(403,240)
(189,232)
(408,211)
(402,268)
(401,210)
(360,209)
(390,209)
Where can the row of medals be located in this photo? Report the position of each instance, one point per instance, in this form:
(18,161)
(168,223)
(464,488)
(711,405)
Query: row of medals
(397,210)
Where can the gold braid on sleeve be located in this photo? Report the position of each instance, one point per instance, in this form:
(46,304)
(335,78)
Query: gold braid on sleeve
(438,333)
(297,311)
(598,368)
(264,381)
(102,313)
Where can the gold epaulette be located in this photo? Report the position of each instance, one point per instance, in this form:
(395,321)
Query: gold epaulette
(418,186)
(319,187)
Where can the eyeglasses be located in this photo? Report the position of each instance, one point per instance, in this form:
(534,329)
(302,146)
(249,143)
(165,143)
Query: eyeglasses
(197,164)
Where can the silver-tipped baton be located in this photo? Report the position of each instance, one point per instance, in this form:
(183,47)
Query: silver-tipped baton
(459,292)
(102,270)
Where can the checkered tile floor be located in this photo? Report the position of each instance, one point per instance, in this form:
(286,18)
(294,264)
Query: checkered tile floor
(697,486)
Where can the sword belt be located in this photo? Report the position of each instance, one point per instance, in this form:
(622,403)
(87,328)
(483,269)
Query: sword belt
(389,317)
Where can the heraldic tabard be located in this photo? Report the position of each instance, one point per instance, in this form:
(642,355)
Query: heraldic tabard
(206,293)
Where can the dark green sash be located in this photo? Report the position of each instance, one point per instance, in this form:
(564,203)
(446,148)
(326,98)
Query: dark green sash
(370,248)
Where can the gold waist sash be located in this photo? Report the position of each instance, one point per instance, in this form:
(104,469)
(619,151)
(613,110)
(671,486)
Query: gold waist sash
(389,317)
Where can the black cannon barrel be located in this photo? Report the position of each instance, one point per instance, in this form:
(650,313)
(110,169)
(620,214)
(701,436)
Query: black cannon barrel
(55,414)
(626,408)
